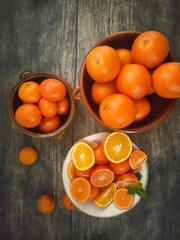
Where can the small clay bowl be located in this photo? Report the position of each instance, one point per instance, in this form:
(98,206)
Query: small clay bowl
(160,107)
(14,102)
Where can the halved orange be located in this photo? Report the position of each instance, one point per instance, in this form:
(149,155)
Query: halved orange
(105,196)
(117,147)
(126,180)
(137,158)
(101,176)
(71,171)
(122,199)
(83,156)
(80,189)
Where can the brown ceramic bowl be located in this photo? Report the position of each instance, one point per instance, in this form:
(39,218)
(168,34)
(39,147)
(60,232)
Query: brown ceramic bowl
(161,107)
(15,102)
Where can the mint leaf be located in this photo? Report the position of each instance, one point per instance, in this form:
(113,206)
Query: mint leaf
(139,186)
(138,175)
(131,190)
(138,190)
(142,193)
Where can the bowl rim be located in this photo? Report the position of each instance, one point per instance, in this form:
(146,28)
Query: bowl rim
(85,101)
(29,76)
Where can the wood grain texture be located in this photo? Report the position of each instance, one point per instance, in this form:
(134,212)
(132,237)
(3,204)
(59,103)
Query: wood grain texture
(54,36)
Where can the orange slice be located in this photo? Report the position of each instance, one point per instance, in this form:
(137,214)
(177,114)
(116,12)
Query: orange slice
(83,156)
(105,196)
(122,199)
(117,147)
(102,176)
(137,158)
(71,170)
(80,189)
(126,180)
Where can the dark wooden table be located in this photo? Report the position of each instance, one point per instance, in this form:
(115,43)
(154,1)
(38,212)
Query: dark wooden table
(54,36)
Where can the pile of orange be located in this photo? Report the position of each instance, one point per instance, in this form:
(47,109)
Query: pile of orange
(123,78)
(104,173)
(43,105)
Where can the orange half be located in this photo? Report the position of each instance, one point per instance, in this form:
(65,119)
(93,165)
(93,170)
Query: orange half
(117,147)
(83,156)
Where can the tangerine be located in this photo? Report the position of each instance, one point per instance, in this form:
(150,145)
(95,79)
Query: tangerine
(46,203)
(103,64)
(166,80)
(29,92)
(143,108)
(126,180)
(68,204)
(28,155)
(100,156)
(124,55)
(134,80)
(101,90)
(117,111)
(120,168)
(150,49)
(28,115)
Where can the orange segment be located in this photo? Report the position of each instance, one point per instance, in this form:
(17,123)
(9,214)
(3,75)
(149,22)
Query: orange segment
(117,147)
(136,158)
(105,196)
(71,170)
(102,176)
(80,189)
(83,156)
(126,180)
(122,199)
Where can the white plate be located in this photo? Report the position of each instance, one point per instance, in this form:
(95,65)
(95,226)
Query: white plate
(89,207)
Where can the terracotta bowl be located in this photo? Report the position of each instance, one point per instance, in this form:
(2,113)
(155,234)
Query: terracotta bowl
(161,107)
(14,102)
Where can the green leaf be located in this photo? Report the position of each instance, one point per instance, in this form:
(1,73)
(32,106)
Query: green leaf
(131,190)
(138,190)
(138,175)
(139,186)
(142,193)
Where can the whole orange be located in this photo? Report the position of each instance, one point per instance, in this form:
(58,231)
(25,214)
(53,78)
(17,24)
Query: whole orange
(103,63)
(117,111)
(29,92)
(143,108)
(134,80)
(166,80)
(28,115)
(150,49)
(124,55)
(101,90)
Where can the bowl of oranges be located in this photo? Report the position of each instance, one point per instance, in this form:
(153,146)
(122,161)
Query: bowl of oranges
(41,105)
(129,81)
(105,174)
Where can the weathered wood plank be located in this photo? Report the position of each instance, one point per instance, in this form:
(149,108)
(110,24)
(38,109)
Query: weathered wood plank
(54,36)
